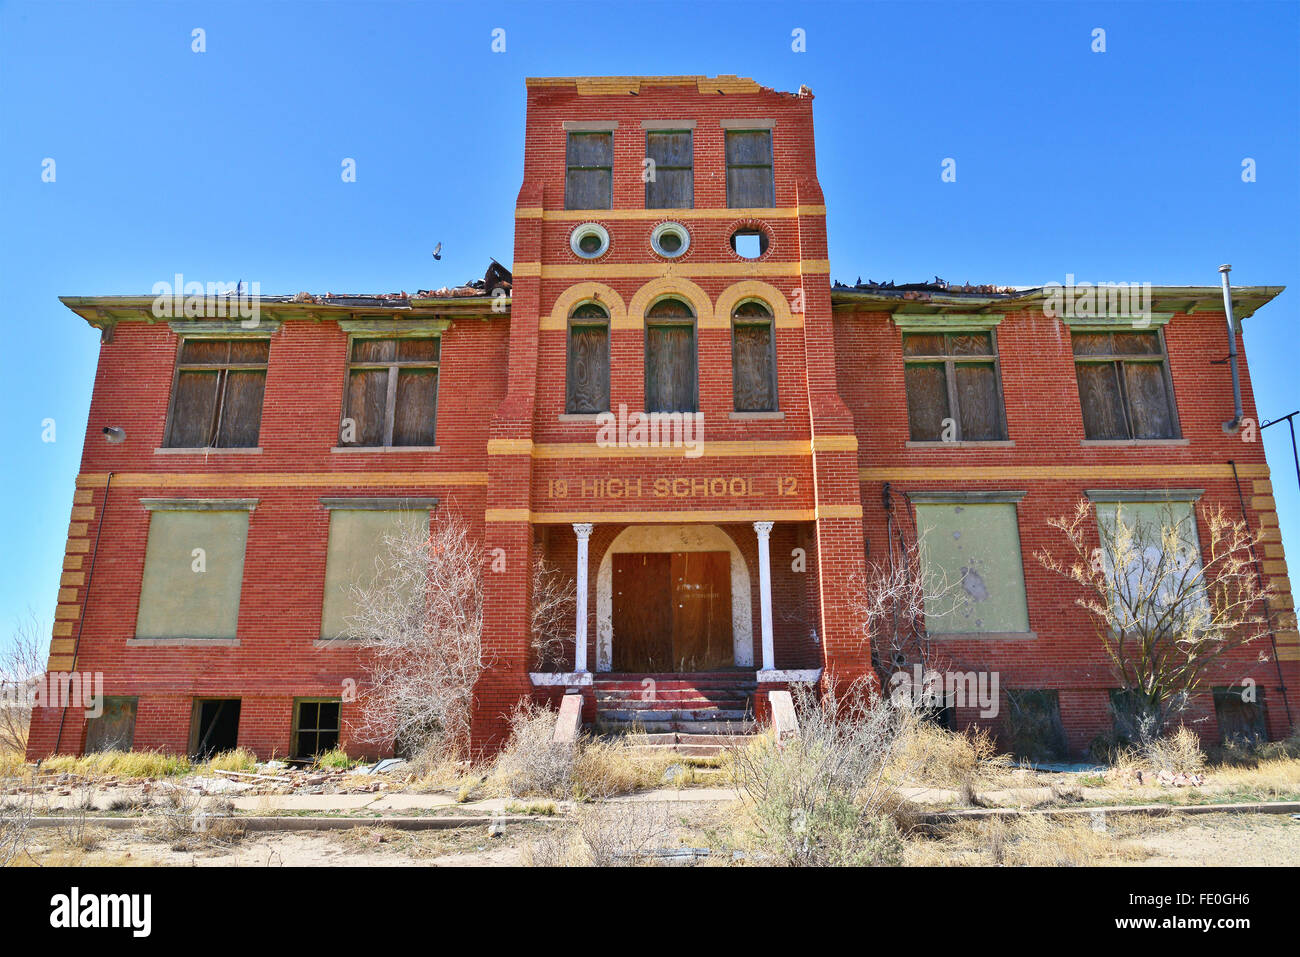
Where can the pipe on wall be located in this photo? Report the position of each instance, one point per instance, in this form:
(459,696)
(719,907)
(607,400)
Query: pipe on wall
(1232,425)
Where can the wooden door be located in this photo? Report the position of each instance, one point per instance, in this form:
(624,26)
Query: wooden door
(701,600)
(643,612)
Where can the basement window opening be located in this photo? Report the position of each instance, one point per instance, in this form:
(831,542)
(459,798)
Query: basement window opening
(316,727)
(215,725)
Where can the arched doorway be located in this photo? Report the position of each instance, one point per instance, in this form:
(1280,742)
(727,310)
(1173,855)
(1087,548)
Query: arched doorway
(665,588)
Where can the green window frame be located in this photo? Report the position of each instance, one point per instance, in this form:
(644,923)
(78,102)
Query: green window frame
(589,169)
(673,157)
(954,375)
(318,721)
(391,391)
(217,393)
(1125,389)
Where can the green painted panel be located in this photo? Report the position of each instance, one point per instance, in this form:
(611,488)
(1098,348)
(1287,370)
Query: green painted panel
(193,572)
(975,574)
(1165,545)
(356,556)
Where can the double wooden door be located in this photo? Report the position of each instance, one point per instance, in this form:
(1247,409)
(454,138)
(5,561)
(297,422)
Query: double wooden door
(672,611)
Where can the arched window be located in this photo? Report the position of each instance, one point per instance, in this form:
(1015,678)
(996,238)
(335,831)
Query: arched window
(587,388)
(670,361)
(753,357)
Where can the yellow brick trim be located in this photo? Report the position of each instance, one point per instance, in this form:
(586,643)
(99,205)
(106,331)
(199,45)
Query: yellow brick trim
(776,300)
(1274,567)
(71,561)
(587,450)
(1291,637)
(506,515)
(77,546)
(1262,487)
(1274,550)
(1267,519)
(683,215)
(67,612)
(581,292)
(62,629)
(1012,472)
(72,578)
(1270,534)
(231,480)
(82,496)
(1263,503)
(835,443)
(83,513)
(1288,654)
(60,663)
(61,646)
(657,517)
(644,297)
(78,529)
(597,271)
(509,446)
(67,594)
(839,511)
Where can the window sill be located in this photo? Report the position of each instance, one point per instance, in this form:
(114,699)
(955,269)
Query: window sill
(1132,443)
(985,636)
(182,642)
(991,444)
(579,416)
(756,416)
(386,448)
(207,451)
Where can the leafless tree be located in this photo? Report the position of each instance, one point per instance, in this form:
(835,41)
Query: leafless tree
(421,622)
(1165,611)
(21,663)
(891,603)
(553,621)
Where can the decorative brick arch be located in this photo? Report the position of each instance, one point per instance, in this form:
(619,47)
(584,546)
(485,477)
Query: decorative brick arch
(669,286)
(675,538)
(578,293)
(776,300)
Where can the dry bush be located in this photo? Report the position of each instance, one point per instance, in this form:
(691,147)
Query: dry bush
(608,767)
(532,764)
(1029,840)
(240,759)
(16,812)
(188,821)
(1177,753)
(21,663)
(420,625)
(554,617)
(606,835)
(822,798)
(932,756)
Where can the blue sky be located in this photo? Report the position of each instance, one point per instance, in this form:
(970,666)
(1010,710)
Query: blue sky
(1123,165)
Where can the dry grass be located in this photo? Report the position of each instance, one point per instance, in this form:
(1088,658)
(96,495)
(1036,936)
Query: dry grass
(146,764)
(1030,841)
(935,757)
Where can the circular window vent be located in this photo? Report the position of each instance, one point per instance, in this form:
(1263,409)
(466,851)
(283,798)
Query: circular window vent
(590,240)
(670,240)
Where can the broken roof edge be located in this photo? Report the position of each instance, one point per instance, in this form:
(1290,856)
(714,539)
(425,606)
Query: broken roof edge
(1187,300)
(726,83)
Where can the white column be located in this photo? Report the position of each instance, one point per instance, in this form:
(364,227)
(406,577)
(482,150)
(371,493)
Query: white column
(764,530)
(583,531)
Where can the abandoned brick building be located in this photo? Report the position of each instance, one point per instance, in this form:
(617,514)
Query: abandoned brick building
(833,422)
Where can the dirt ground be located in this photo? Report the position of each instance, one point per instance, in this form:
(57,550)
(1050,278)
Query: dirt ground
(1252,840)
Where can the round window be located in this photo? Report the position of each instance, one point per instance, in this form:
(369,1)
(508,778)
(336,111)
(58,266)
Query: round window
(590,240)
(670,240)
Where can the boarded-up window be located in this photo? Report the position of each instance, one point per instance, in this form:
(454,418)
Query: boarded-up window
(672,185)
(217,401)
(357,554)
(954,390)
(749,169)
(588,364)
(589,171)
(1241,715)
(392,393)
(753,358)
(670,371)
(114,729)
(1163,575)
(973,573)
(1124,386)
(315,727)
(1033,725)
(193,572)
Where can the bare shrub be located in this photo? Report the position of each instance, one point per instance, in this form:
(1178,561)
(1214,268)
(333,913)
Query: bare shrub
(554,617)
(532,763)
(821,798)
(606,835)
(420,623)
(187,821)
(1165,610)
(21,663)
(1177,753)
(16,812)
(936,757)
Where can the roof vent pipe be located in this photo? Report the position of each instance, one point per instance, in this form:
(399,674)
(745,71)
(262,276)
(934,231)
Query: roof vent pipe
(1232,426)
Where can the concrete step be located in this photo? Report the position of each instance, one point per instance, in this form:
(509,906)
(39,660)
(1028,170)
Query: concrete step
(692,729)
(672,714)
